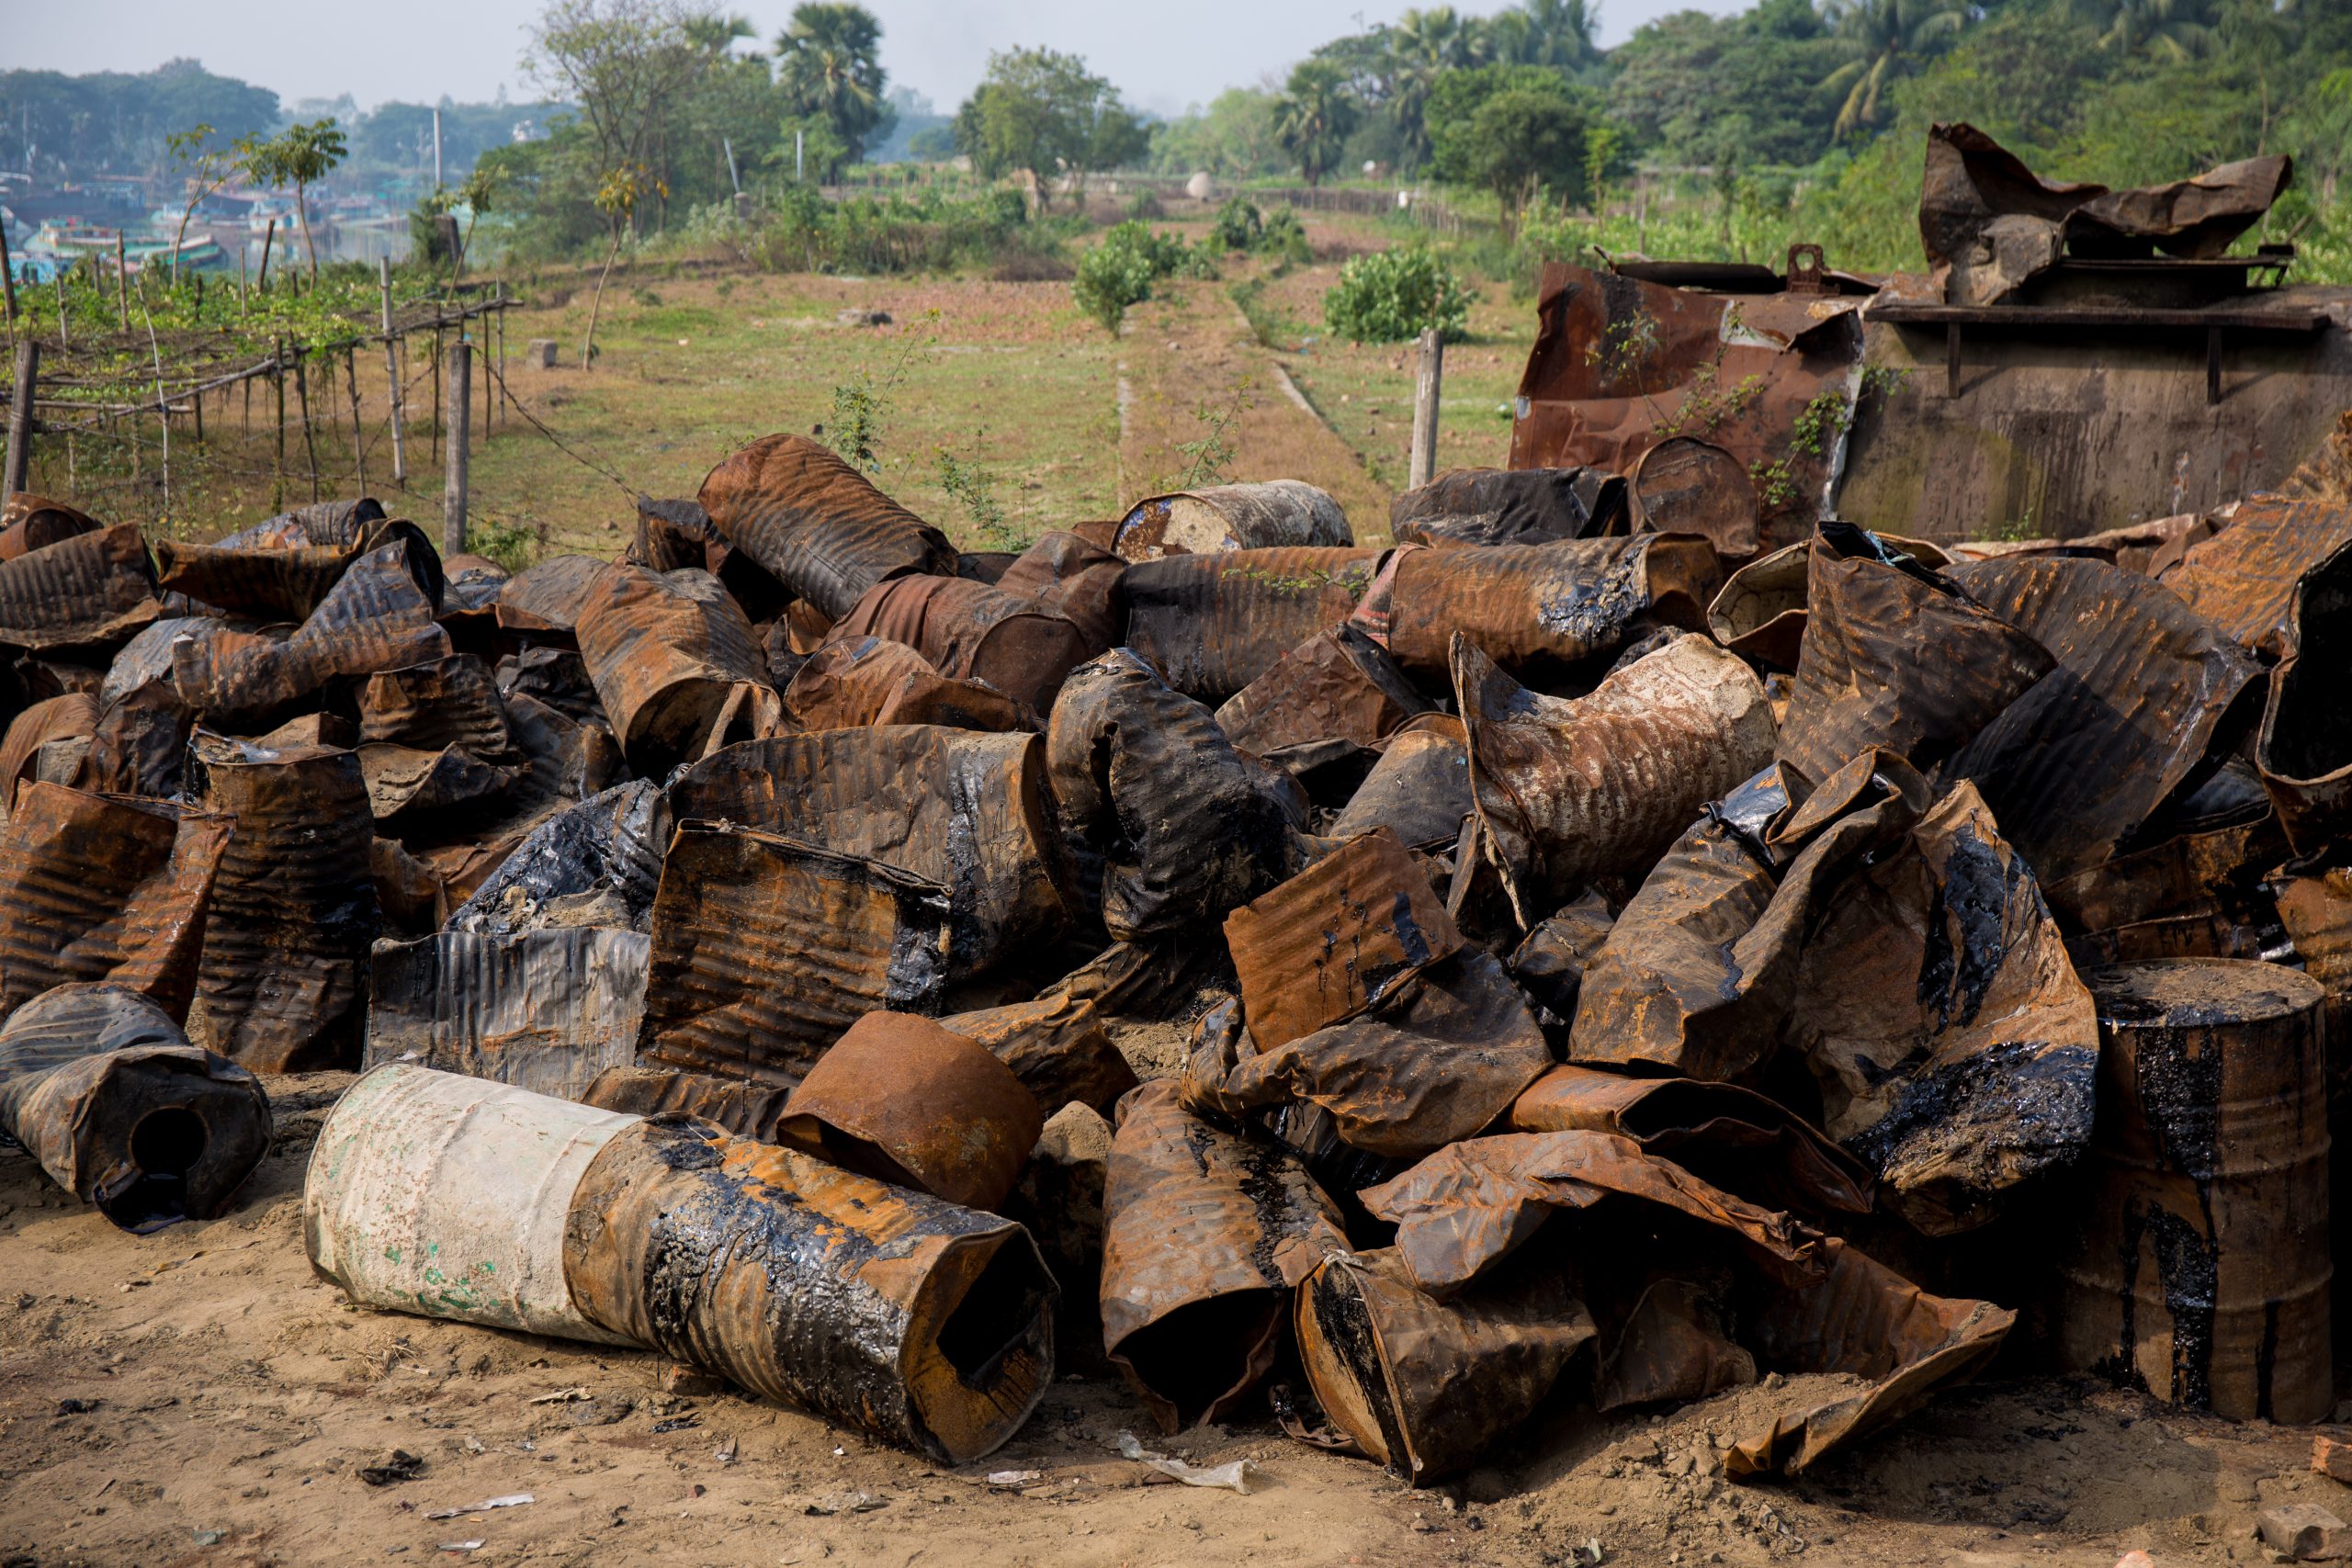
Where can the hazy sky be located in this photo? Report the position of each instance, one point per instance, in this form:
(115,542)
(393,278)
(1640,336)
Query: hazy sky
(1162,57)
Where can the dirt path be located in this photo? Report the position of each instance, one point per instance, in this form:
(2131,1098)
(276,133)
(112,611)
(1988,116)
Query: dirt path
(198,1397)
(1188,349)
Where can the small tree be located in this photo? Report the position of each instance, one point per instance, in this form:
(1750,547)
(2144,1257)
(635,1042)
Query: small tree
(480,194)
(301,156)
(1037,112)
(206,167)
(1510,129)
(617,198)
(830,69)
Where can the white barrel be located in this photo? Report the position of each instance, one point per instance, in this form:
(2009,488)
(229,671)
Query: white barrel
(445,1195)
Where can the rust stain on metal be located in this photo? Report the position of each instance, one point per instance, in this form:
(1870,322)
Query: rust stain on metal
(666,653)
(280,987)
(83,589)
(816,525)
(1280,514)
(1204,1234)
(766,949)
(101,889)
(1335,939)
(908,1102)
(280,583)
(2244,578)
(30,522)
(851,682)
(1684,485)
(1212,623)
(920,1323)
(1569,790)
(1056,1046)
(1337,685)
(747,1110)
(2202,1270)
(1062,571)
(547,598)
(1547,612)
(99,1084)
(970,631)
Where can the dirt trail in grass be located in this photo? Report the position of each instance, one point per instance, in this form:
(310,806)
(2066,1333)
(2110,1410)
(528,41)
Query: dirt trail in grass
(1187,350)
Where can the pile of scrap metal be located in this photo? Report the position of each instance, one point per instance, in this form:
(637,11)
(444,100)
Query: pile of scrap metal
(2075,359)
(1610,977)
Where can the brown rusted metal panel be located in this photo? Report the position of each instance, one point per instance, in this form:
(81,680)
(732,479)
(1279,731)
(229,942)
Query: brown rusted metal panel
(905,1100)
(2182,874)
(1510,506)
(1684,485)
(272,583)
(1212,623)
(105,888)
(594,863)
(1991,226)
(1570,790)
(72,717)
(1217,519)
(30,522)
(281,984)
(1671,1344)
(1738,1139)
(1954,1048)
(1442,1056)
(1468,1207)
(909,1318)
(1337,685)
(1546,612)
(1424,1386)
(2202,1270)
(871,680)
(83,588)
(1063,572)
(965,811)
(766,949)
(665,653)
(569,761)
(2140,691)
(2244,578)
(1204,1234)
(745,1109)
(1549,963)
(100,1085)
(1866,1320)
(1336,939)
(970,631)
(545,1011)
(375,618)
(319,522)
(1699,972)
(139,744)
(1056,1046)
(1620,365)
(1145,777)
(557,677)
(817,524)
(1420,790)
(672,534)
(547,598)
(2304,749)
(1860,680)
(450,702)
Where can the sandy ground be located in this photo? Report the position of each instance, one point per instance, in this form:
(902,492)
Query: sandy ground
(199,1398)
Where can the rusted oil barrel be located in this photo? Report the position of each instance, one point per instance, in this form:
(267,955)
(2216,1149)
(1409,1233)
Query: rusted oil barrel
(2202,1266)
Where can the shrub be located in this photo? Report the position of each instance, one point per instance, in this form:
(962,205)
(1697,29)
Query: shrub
(1284,237)
(1238,225)
(1395,295)
(1120,271)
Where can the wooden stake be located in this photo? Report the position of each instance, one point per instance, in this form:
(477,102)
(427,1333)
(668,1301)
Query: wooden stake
(436,381)
(453,489)
(1421,463)
(392,374)
(487,391)
(244,302)
(358,439)
(268,237)
(310,446)
(9,281)
(20,420)
(278,378)
(62,347)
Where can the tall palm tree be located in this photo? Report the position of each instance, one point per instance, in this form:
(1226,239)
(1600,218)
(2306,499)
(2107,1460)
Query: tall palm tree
(1885,40)
(831,67)
(1557,33)
(1420,45)
(2173,29)
(1314,117)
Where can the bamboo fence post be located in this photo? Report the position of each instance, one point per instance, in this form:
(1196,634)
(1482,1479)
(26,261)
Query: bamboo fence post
(453,490)
(310,446)
(436,381)
(20,419)
(1421,463)
(278,378)
(392,374)
(358,439)
(122,286)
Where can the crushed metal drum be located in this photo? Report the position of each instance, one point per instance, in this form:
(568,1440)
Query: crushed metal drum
(100,1087)
(1223,518)
(816,525)
(888,1309)
(1546,612)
